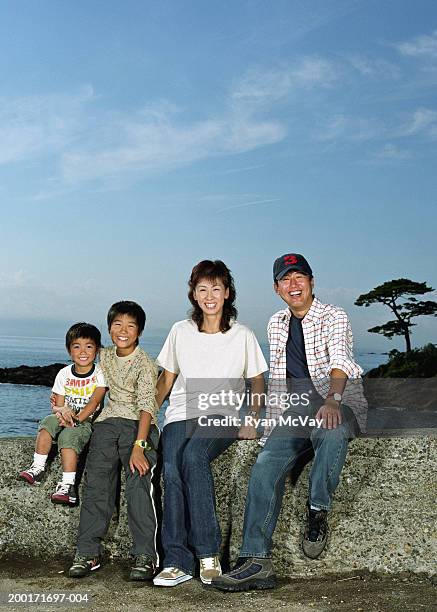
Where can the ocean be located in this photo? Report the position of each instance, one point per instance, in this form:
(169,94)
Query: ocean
(22,406)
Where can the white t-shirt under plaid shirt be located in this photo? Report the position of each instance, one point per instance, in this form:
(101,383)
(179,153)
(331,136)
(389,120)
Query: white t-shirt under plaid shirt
(328,345)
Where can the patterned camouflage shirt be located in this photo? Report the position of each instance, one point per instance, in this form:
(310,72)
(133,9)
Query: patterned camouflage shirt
(131,381)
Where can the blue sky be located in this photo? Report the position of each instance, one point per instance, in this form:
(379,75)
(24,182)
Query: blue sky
(137,138)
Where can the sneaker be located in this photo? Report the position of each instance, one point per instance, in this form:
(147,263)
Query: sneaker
(142,568)
(64,494)
(33,475)
(82,566)
(316,533)
(254,573)
(171,576)
(209,568)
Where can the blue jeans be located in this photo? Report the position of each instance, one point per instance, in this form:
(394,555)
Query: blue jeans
(190,527)
(276,459)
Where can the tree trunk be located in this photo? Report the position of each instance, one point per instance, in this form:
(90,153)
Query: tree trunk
(407,339)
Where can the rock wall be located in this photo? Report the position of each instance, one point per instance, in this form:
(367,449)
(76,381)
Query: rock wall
(384,516)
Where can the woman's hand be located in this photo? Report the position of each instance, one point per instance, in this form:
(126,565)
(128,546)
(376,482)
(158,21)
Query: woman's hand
(247,432)
(138,461)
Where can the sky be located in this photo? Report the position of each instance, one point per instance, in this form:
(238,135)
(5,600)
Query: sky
(137,138)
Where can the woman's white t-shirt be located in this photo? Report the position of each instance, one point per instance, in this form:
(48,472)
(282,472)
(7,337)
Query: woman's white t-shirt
(207,363)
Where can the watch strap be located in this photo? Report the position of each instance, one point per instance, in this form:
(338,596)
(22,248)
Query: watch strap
(144,444)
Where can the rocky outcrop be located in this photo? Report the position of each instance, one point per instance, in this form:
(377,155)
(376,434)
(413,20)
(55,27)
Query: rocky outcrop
(31,375)
(384,516)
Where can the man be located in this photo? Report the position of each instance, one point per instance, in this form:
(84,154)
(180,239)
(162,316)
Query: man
(310,358)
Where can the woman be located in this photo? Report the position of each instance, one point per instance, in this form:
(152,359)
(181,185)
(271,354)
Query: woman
(210,351)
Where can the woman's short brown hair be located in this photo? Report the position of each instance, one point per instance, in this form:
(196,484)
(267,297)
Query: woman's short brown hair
(213,271)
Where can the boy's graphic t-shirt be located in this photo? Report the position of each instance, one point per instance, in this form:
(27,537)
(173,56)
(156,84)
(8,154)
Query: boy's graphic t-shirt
(78,388)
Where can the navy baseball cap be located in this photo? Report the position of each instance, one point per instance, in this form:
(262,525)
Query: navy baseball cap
(289,262)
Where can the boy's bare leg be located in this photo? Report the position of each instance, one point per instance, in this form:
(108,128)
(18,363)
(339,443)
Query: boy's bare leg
(33,475)
(43,442)
(69,459)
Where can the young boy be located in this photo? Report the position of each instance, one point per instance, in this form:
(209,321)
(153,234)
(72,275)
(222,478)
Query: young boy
(124,431)
(74,386)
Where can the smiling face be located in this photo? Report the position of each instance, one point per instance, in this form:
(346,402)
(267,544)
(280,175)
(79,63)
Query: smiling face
(124,334)
(83,352)
(211,296)
(296,289)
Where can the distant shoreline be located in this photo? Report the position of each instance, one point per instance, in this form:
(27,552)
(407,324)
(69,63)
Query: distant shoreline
(31,375)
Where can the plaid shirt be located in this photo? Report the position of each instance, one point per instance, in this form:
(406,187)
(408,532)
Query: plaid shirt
(328,345)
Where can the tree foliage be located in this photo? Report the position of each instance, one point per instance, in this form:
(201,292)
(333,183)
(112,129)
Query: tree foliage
(398,295)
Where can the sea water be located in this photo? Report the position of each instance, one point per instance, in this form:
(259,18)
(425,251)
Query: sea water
(22,406)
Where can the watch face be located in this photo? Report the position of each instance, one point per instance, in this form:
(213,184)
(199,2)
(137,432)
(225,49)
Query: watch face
(144,444)
(337,397)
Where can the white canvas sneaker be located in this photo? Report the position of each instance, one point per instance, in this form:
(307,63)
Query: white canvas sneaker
(171,576)
(209,568)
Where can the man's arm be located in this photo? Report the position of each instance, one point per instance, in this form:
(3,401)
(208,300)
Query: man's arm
(330,411)
(342,367)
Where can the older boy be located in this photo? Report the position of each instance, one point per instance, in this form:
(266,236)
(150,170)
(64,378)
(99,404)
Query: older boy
(124,431)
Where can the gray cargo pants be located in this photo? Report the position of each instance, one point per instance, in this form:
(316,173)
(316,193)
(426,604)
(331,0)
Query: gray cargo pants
(111,442)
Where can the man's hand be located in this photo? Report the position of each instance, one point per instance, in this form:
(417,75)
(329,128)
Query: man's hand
(138,461)
(247,432)
(330,413)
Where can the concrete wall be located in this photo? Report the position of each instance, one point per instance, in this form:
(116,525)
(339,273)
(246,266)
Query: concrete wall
(384,516)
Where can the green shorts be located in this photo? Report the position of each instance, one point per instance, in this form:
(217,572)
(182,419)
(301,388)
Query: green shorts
(67,437)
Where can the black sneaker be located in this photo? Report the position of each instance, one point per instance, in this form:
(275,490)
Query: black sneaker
(82,566)
(64,494)
(316,533)
(142,568)
(33,475)
(254,573)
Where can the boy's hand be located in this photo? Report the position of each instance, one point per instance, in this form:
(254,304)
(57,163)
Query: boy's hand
(55,408)
(65,417)
(138,461)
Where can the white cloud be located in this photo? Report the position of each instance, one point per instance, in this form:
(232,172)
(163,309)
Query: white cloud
(343,127)
(39,125)
(259,87)
(154,142)
(422,122)
(393,153)
(421,46)
(314,72)
(375,68)
(249,204)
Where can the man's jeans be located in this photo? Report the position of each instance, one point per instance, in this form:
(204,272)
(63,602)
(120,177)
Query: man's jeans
(189,517)
(267,480)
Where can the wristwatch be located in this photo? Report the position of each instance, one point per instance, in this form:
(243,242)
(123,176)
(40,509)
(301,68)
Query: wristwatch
(336,396)
(144,444)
